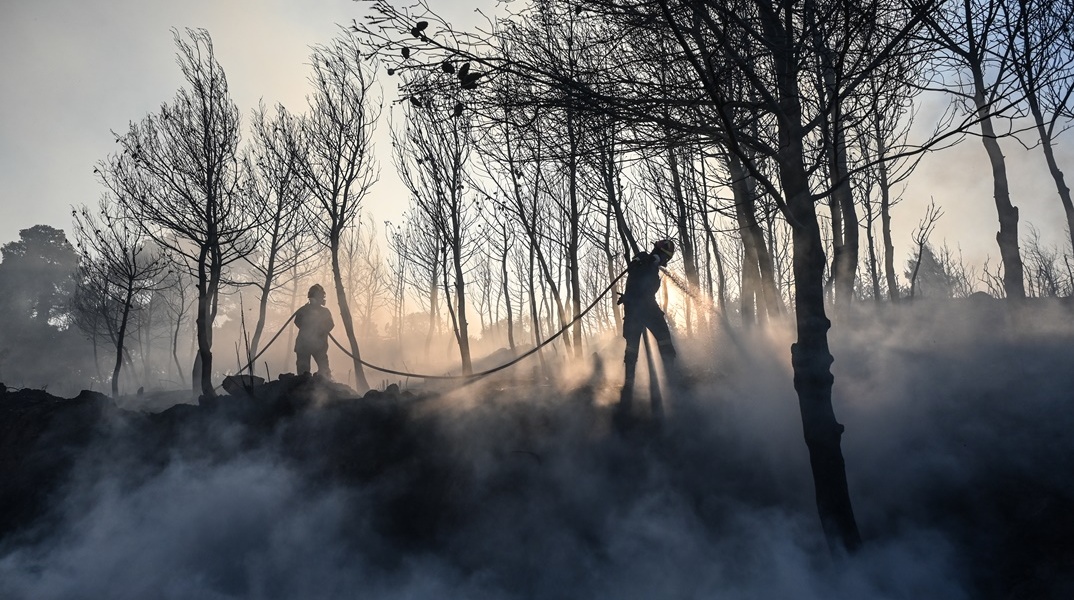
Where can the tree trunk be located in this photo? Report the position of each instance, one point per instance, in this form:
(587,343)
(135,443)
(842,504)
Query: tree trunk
(847,263)
(844,217)
(535,317)
(203,366)
(1007,237)
(750,293)
(262,306)
(874,272)
(810,357)
(120,339)
(462,328)
(811,361)
(507,294)
(682,224)
(573,264)
(1053,168)
(609,257)
(766,290)
(721,278)
(259,327)
(885,218)
(434,304)
(360,381)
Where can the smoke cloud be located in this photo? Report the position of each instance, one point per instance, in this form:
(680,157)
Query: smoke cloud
(957,447)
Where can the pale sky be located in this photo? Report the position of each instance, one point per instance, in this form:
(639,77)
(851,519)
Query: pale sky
(72,71)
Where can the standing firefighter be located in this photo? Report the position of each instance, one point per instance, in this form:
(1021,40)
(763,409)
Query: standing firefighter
(641,312)
(314,322)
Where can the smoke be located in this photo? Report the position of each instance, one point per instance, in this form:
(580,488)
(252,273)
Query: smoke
(957,450)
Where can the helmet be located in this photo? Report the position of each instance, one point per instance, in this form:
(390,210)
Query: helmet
(664,247)
(316,290)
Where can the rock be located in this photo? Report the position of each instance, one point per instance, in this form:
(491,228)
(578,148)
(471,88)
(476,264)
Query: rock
(241,384)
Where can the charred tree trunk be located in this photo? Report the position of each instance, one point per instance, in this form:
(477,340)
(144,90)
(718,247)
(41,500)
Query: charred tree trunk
(507,292)
(609,257)
(1007,237)
(811,358)
(462,327)
(207,284)
(847,259)
(1053,167)
(714,247)
(120,338)
(434,303)
(750,293)
(262,306)
(360,381)
(765,290)
(885,218)
(535,317)
(874,272)
(573,265)
(682,225)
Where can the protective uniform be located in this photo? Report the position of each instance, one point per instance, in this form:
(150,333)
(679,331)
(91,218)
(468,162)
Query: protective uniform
(640,310)
(314,321)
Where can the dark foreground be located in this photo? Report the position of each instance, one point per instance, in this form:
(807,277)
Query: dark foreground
(958,447)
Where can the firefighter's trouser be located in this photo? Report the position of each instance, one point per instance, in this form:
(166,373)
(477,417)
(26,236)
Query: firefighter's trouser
(637,319)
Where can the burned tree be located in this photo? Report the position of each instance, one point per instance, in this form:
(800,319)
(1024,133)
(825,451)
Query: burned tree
(1042,50)
(283,239)
(973,46)
(119,267)
(704,40)
(339,167)
(431,156)
(185,183)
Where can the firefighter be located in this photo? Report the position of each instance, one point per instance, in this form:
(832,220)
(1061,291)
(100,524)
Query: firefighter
(314,321)
(641,312)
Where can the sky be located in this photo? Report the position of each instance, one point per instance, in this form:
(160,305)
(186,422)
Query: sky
(74,71)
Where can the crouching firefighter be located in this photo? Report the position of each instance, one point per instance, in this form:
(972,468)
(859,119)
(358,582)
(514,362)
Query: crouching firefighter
(641,312)
(314,321)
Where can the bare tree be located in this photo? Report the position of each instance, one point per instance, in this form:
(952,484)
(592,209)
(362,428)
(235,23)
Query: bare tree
(975,48)
(283,239)
(431,156)
(122,264)
(339,168)
(366,274)
(514,155)
(1049,272)
(1042,51)
(422,247)
(174,292)
(399,267)
(185,183)
(778,77)
(882,135)
(921,239)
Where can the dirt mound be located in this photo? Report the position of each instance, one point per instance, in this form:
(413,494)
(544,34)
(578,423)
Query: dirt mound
(45,438)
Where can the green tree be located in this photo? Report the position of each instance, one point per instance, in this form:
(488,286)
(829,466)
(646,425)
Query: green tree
(37,277)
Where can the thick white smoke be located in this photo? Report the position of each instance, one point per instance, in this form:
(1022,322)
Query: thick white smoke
(957,451)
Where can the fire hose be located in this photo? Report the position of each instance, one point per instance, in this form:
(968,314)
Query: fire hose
(485,373)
